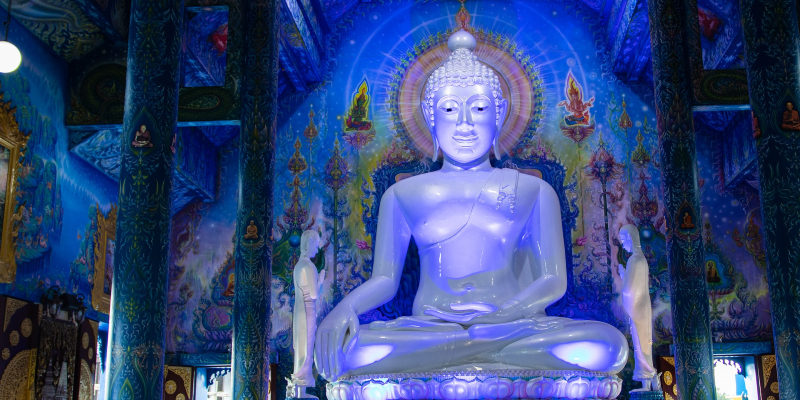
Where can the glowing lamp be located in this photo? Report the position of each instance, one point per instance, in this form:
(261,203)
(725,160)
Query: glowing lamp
(10,57)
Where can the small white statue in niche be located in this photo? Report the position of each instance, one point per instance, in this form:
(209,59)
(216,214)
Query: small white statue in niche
(307,286)
(636,301)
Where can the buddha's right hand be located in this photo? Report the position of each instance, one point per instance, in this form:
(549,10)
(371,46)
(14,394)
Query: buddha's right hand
(336,336)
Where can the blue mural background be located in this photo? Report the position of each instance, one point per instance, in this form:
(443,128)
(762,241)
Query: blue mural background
(201,266)
(330,177)
(59,190)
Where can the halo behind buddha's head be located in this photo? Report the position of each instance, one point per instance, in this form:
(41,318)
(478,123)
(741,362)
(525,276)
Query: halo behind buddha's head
(492,65)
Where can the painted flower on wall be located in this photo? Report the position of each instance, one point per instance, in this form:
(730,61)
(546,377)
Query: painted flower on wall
(603,167)
(336,169)
(359,139)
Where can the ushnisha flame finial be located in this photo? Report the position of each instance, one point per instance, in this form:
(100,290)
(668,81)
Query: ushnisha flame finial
(462,69)
(462,16)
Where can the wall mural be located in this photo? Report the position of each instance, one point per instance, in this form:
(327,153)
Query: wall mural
(59,194)
(201,266)
(735,258)
(721,37)
(590,137)
(344,144)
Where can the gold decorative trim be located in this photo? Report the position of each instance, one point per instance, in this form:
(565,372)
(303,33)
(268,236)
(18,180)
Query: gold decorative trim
(186,376)
(14,383)
(767,363)
(670,360)
(13,338)
(106,230)
(170,387)
(667,378)
(86,391)
(12,305)
(27,327)
(17,143)
(85,340)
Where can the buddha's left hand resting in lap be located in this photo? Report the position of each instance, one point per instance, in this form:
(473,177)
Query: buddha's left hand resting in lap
(491,253)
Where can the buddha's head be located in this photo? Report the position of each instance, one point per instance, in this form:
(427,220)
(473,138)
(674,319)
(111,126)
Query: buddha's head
(309,243)
(464,106)
(629,236)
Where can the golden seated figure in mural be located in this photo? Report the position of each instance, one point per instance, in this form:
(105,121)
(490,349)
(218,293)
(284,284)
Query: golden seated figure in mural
(791,118)
(142,138)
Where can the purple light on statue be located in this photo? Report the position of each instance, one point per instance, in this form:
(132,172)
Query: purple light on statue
(590,355)
(366,355)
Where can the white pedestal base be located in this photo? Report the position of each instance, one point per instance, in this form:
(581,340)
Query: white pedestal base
(478,385)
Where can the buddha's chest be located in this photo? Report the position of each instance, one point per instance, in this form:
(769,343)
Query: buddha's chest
(438,210)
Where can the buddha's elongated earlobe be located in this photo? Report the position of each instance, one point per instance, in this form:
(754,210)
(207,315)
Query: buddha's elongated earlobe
(498,152)
(435,149)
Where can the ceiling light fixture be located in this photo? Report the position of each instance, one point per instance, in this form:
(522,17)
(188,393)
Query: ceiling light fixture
(10,57)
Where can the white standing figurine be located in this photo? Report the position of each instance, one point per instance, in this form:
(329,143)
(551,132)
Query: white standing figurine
(636,300)
(307,286)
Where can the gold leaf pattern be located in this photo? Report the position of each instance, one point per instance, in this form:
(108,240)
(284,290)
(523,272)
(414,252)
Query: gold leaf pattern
(14,383)
(186,376)
(12,305)
(767,363)
(13,338)
(27,327)
(170,387)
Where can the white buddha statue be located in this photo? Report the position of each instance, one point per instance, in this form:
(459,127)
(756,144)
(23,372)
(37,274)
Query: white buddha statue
(636,301)
(304,320)
(491,254)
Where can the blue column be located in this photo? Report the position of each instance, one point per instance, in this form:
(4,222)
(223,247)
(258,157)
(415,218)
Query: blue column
(772,47)
(688,288)
(139,303)
(251,302)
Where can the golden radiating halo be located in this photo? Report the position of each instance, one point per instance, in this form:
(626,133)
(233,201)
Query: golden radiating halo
(516,87)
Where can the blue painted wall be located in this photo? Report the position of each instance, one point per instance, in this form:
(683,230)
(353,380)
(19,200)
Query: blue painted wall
(59,190)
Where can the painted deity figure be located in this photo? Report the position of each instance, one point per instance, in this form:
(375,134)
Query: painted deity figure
(791,119)
(357,118)
(687,221)
(491,250)
(636,301)
(304,320)
(578,109)
(142,138)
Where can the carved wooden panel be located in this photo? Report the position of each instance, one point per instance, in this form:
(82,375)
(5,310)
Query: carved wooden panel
(18,346)
(178,383)
(85,361)
(666,366)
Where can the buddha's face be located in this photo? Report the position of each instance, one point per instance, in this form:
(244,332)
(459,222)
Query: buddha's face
(465,121)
